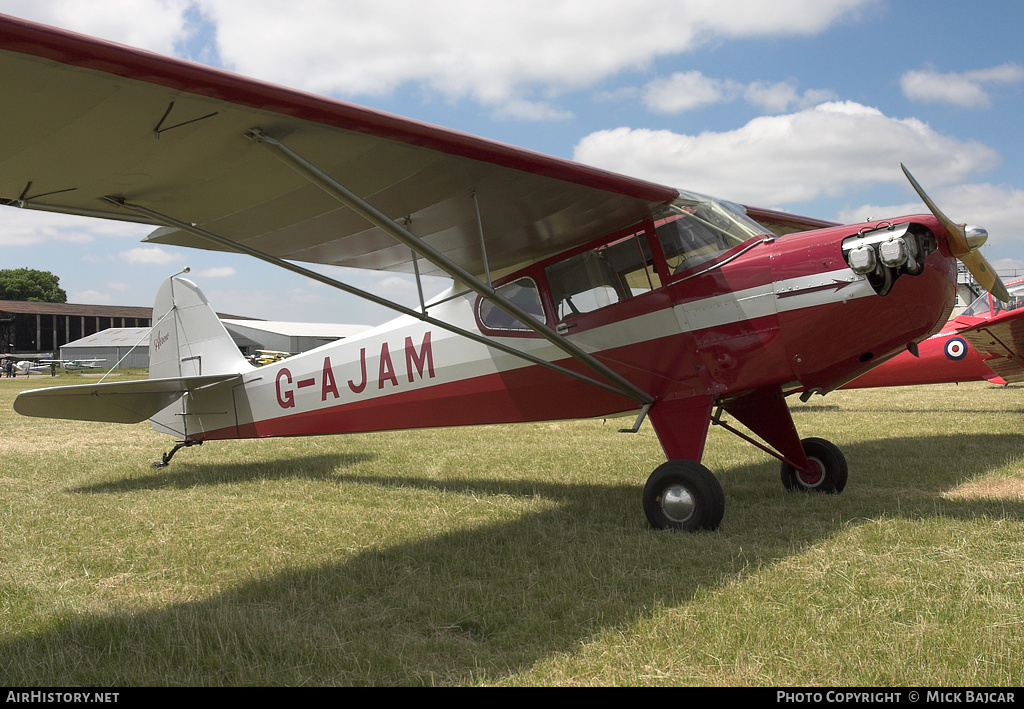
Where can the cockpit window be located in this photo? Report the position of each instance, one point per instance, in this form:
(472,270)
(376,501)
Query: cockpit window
(524,293)
(695,229)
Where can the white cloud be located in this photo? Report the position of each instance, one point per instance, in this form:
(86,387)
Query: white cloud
(790,158)
(1008,267)
(510,56)
(219,272)
(30,227)
(685,91)
(156,25)
(966,89)
(90,297)
(500,54)
(782,96)
(149,256)
(532,111)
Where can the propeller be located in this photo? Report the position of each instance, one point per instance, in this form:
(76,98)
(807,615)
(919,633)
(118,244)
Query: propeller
(964,242)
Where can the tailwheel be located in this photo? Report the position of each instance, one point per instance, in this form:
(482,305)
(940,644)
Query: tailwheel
(828,470)
(683,494)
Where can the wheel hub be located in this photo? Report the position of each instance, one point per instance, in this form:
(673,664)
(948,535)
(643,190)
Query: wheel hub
(813,476)
(677,503)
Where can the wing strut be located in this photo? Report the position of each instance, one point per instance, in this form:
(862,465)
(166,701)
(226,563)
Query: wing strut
(152,216)
(404,236)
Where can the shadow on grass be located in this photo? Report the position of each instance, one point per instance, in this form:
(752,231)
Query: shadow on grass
(479,603)
(189,475)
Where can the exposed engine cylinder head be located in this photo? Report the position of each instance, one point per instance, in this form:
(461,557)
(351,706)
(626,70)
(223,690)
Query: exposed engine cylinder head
(886,253)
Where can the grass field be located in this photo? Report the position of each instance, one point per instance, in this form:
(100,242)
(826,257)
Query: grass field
(515,555)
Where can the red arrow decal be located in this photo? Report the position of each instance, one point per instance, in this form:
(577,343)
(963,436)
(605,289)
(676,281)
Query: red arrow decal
(836,285)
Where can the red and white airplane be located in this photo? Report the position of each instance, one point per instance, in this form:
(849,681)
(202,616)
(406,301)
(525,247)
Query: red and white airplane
(576,292)
(985,342)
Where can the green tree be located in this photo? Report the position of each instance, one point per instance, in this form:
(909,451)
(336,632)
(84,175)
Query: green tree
(32,285)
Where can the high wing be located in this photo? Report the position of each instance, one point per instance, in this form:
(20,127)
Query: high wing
(88,124)
(118,402)
(1001,342)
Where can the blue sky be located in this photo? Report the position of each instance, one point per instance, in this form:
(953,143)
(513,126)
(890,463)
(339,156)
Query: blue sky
(803,105)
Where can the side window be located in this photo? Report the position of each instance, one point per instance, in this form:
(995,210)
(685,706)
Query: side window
(603,276)
(524,293)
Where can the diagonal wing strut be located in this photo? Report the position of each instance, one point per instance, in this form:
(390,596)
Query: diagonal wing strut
(152,216)
(404,236)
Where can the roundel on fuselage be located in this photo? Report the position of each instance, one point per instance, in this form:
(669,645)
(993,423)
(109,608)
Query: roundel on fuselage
(956,349)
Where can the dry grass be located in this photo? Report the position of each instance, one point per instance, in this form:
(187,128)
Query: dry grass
(515,555)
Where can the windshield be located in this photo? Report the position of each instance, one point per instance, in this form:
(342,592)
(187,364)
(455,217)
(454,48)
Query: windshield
(986,303)
(695,229)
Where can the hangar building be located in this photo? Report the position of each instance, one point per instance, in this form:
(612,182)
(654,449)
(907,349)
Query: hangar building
(292,337)
(45,327)
(132,344)
(120,346)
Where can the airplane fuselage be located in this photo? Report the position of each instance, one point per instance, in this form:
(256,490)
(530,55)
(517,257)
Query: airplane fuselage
(774,315)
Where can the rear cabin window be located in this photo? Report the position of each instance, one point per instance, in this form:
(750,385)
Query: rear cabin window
(603,276)
(524,293)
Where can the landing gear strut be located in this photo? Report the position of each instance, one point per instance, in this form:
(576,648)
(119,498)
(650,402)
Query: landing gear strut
(683,494)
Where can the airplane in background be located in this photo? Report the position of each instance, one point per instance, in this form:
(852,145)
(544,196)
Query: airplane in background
(26,367)
(575,292)
(77,365)
(263,357)
(985,342)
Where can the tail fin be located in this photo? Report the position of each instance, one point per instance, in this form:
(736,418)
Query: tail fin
(188,338)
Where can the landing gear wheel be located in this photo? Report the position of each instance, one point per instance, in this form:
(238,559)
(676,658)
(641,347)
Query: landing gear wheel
(829,471)
(683,494)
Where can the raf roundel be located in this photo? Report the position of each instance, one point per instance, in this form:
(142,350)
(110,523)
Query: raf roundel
(956,349)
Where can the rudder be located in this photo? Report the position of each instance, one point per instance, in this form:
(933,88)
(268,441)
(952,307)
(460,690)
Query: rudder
(188,338)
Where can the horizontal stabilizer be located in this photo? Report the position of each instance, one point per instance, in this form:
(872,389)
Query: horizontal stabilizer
(115,402)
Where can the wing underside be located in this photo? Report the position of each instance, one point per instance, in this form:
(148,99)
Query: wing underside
(86,120)
(1001,342)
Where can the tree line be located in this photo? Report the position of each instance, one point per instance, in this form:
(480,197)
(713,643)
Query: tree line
(31,285)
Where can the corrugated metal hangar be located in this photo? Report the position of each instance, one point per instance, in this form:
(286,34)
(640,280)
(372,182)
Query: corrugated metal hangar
(111,332)
(116,346)
(291,337)
(129,347)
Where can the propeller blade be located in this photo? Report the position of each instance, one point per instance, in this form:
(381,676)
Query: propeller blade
(956,238)
(957,234)
(984,274)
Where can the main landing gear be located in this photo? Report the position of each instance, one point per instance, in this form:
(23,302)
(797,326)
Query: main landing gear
(684,495)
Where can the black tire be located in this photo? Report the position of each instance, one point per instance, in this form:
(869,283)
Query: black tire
(683,494)
(830,474)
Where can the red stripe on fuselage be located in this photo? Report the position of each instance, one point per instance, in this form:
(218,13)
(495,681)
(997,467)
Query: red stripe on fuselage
(525,394)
